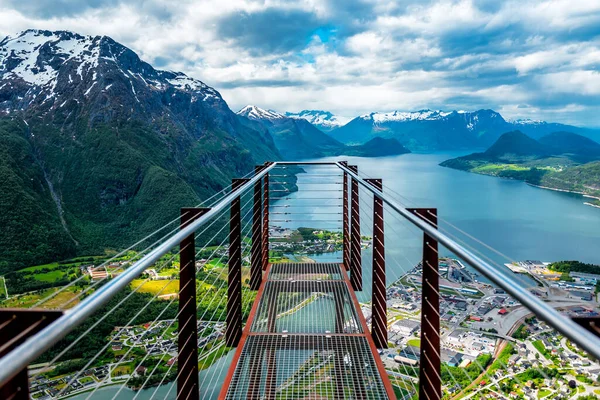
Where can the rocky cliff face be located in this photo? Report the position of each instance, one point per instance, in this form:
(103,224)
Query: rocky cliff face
(106,147)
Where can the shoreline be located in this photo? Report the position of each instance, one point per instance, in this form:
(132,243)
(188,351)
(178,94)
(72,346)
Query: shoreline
(591,205)
(586,195)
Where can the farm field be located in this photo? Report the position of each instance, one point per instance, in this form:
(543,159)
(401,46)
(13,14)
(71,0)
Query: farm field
(161,287)
(65,299)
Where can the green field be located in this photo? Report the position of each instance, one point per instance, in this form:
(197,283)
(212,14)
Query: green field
(58,301)
(3,293)
(414,342)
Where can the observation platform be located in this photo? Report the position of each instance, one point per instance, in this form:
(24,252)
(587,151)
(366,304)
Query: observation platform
(306,338)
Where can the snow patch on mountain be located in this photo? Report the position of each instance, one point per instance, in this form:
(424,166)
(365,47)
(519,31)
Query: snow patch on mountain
(320,118)
(526,121)
(421,115)
(257,113)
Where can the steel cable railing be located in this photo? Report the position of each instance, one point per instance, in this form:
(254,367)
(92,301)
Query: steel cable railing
(19,358)
(583,338)
(153,254)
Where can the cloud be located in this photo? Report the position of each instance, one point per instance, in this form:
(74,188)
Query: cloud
(269,31)
(532,58)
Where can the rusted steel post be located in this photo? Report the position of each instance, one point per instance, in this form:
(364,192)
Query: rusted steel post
(187,339)
(378,299)
(430,385)
(265,236)
(233,329)
(346,221)
(355,249)
(256,255)
(16,326)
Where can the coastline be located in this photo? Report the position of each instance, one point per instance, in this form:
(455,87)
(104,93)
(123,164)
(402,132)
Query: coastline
(589,196)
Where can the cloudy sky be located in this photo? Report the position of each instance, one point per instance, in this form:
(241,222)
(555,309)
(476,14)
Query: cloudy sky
(527,59)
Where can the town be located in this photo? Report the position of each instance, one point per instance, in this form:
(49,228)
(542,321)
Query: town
(491,345)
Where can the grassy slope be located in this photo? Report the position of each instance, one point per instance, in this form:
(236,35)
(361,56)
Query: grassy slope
(116,184)
(552,172)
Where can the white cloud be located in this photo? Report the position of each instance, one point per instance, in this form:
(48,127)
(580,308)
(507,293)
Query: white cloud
(381,55)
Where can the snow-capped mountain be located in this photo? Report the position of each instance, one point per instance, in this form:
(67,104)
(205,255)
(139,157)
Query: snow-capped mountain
(323,120)
(426,129)
(421,115)
(49,69)
(443,130)
(257,113)
(97,144)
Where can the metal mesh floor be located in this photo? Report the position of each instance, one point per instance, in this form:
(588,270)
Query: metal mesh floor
(306,367)
(306,307)
(306,340)
(305,272)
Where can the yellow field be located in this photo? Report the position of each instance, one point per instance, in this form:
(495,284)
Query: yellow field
(153,287)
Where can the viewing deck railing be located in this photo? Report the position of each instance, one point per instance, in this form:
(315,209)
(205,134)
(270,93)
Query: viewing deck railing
(29,334)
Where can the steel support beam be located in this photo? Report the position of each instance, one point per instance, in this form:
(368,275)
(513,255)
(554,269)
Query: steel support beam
(233,329)
(256,253)
(187,339)
(16,326)
(378,298)
(346,221)
(430,385)
(355,249)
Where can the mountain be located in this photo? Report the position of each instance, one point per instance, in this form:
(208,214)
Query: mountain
(537,129)
(428,130)
(516,144)
(377,147)
(296,138)
(560,160)
(324,120)
(570,143)
(97,146)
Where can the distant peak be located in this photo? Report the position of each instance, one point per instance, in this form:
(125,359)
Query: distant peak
(526,121)
(257,113)
(319,118)
(425,114)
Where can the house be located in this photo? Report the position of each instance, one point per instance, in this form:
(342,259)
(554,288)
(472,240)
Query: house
(502,311)
(461,305)
(455,338)
(406,327)
(141,370)
(455,360)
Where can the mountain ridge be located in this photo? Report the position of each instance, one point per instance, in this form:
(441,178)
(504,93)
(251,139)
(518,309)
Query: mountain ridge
(432,130)
(297,138)
(101,140)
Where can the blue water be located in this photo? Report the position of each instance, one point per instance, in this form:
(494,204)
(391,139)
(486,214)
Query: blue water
(517,220)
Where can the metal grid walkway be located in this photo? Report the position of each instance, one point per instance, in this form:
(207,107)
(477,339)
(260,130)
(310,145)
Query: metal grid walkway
(306,339)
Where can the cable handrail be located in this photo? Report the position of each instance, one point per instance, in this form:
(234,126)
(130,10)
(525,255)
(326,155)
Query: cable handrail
(36,345)
(582,337)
